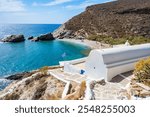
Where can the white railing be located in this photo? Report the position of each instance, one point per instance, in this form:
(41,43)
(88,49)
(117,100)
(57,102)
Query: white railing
(76,61)
(66,89)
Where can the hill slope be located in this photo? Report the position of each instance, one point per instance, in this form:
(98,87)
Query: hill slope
(116,19)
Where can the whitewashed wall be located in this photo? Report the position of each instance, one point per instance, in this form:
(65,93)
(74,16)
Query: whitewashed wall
(107,63)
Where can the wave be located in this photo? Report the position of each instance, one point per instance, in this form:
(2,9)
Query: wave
(4,83)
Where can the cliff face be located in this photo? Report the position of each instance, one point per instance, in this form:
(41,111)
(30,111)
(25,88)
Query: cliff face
(116,19)
(41,85)
(36,86)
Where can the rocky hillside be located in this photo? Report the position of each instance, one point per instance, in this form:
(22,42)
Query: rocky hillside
(40,85)
(116,19)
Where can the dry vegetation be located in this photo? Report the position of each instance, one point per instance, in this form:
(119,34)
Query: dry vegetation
(115,41)
(78,93)
(41,86)
(140,83)
(35,87)
(115,19)
(142,72)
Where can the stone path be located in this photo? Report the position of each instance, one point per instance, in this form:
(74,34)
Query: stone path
(107,92)
(111,90)
(69,77)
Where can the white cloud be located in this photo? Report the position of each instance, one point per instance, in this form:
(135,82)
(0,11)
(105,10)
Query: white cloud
(83,5)
(53,3)
(53,17)
(11,6)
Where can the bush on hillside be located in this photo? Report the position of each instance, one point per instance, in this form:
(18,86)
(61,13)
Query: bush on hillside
(44,70)
(142,72)
(115,41)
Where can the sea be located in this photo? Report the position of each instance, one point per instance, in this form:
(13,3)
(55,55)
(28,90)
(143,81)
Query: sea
(26,56)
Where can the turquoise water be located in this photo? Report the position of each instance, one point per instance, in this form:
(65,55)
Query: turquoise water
(26,29)
(25,56)
(28,55)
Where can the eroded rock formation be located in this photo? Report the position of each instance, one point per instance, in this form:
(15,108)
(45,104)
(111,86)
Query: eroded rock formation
(44,37)
(14,38)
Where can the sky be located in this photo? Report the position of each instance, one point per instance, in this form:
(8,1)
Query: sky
(42,11)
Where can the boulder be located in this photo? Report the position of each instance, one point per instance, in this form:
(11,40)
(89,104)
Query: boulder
(36,86)
(144,93)
(78,94)
(35,39)
(31,37)
(46,37)
(19,76)
(14,38)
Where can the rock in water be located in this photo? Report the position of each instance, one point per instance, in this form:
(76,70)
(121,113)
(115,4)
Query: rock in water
(14,38)
(44,37)
(35,39)
(31,37)
(19,76)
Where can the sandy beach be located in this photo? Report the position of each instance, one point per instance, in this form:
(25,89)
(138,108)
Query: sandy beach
(91,44)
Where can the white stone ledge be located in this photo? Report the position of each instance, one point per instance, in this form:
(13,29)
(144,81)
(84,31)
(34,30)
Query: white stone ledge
(75,61)
(125,62)
(66,89)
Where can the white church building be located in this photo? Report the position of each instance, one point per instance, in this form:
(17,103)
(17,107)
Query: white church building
(107,63)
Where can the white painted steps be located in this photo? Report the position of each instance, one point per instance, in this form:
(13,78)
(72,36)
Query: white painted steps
(70,77)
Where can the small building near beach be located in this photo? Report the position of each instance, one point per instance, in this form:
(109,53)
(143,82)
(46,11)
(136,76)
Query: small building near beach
(107,63)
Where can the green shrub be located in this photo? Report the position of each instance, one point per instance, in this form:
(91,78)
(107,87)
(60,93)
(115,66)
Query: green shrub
(115,41)
(142,71)
(44,70)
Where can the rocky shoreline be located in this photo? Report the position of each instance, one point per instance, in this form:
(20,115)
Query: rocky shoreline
(39,85)
(14,38)
(115,19)
(19,76)
(44,37)
(21,38)
(29,83)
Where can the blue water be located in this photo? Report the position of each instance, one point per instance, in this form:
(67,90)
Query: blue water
(25,56)
(26,29)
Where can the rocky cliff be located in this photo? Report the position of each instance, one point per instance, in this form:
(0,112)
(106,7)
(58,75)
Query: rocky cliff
(40,85)
(116,19)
